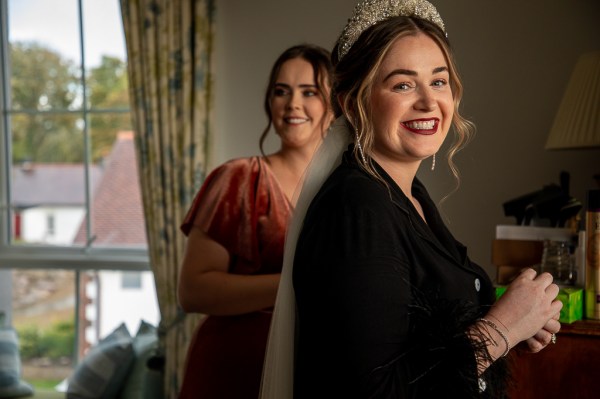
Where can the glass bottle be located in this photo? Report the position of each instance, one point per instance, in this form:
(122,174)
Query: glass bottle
(557,260)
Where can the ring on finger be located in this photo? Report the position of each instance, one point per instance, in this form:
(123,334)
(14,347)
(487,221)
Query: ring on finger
(553,338)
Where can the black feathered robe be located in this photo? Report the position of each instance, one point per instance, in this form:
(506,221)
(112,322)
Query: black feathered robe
(384,298)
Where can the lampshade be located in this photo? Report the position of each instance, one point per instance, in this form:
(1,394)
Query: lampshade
(577,122)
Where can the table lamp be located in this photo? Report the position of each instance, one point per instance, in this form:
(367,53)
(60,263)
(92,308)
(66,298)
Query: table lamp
(577,122)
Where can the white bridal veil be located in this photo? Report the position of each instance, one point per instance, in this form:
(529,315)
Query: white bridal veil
(278,371)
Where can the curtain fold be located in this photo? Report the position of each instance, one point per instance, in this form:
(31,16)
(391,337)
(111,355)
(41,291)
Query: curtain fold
(169,50)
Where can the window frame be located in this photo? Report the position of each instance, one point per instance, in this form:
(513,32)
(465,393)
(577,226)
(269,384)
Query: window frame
(78,258)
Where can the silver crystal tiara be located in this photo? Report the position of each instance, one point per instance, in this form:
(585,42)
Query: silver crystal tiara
(369,12)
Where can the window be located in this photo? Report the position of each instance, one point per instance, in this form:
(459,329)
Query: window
(71,219)
(131,280)
(50,224)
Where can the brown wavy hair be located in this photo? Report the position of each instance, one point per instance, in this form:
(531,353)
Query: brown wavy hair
(319,59)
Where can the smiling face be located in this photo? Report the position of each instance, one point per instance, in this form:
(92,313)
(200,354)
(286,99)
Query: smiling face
(411,101)
(297,108)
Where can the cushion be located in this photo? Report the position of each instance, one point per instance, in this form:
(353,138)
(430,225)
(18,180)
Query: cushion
(11,385)
(102,372)
(145,344)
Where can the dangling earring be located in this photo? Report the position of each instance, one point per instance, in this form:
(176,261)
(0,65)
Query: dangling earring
(433,163)
(362,154)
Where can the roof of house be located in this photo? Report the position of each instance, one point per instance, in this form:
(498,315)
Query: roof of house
(54,184)
(117,212)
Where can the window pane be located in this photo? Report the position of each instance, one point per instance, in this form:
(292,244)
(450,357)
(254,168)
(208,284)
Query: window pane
(44,318)
(44,44)
(47,178)
(54,332)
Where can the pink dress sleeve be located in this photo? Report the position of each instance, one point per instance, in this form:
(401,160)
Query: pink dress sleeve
(242,207)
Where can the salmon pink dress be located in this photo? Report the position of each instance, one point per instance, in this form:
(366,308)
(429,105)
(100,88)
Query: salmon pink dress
(241,206)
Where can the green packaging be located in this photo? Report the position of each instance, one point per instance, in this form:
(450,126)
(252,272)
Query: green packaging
(572,299)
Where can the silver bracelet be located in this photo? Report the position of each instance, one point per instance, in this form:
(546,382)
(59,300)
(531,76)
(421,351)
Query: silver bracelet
(495,327)
(481,384)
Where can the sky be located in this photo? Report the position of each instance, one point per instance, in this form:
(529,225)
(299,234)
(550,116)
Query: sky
(54,24)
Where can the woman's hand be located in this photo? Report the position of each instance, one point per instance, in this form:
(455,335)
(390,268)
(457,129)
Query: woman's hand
(529,310)
(543,337)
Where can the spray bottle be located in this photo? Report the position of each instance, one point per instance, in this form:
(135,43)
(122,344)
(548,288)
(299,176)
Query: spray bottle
(592,271)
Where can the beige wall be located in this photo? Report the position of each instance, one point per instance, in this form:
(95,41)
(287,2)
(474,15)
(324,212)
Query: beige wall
(515,57)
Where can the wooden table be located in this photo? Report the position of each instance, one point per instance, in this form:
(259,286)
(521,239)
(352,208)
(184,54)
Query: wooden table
(568,369)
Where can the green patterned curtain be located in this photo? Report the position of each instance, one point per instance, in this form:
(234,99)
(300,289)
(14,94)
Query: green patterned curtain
(169,49)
